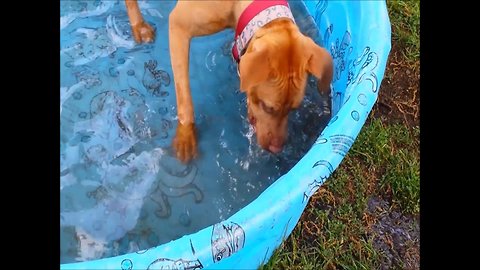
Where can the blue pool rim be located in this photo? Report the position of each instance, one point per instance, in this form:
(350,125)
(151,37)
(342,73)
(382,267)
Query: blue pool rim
(358,36)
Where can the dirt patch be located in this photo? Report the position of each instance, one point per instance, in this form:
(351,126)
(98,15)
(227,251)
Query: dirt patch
(395,236)
(399,95)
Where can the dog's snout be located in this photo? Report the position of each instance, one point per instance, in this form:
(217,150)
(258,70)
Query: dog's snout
(276,145)
(275,149)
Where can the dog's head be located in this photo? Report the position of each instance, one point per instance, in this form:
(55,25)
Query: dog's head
(273,74)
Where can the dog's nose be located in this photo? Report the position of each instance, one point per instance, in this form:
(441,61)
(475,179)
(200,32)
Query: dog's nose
(276,146)
(275,149)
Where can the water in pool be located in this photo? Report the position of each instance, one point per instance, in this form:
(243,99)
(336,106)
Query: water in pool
(121,189)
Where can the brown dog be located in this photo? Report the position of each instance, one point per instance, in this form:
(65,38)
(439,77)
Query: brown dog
(275,62)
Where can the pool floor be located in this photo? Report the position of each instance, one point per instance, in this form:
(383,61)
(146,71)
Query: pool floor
(121,189)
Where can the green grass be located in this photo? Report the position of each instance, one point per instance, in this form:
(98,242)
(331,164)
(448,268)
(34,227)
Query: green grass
(393,152)
(334,230)
(405,21)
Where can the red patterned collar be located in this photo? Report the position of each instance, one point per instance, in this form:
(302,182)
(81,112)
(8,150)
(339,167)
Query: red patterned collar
(256,15)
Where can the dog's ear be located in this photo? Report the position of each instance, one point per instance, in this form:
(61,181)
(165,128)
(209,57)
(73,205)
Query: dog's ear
(254,69)
(319,64)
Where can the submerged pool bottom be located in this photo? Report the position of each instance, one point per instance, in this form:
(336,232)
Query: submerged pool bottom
(121,189)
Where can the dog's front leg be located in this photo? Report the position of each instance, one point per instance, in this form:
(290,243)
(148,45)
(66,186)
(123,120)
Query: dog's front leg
(185,141)
(142,31)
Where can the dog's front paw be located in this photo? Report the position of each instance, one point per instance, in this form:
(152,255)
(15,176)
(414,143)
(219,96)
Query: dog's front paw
(143,32)
(185,142)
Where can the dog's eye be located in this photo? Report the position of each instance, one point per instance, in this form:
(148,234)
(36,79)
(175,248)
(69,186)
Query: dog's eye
(267,109)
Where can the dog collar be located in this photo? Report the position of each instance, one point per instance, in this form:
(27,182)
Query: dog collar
(256,15)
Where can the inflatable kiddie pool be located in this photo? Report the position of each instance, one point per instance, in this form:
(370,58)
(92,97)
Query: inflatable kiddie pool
(357,34)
